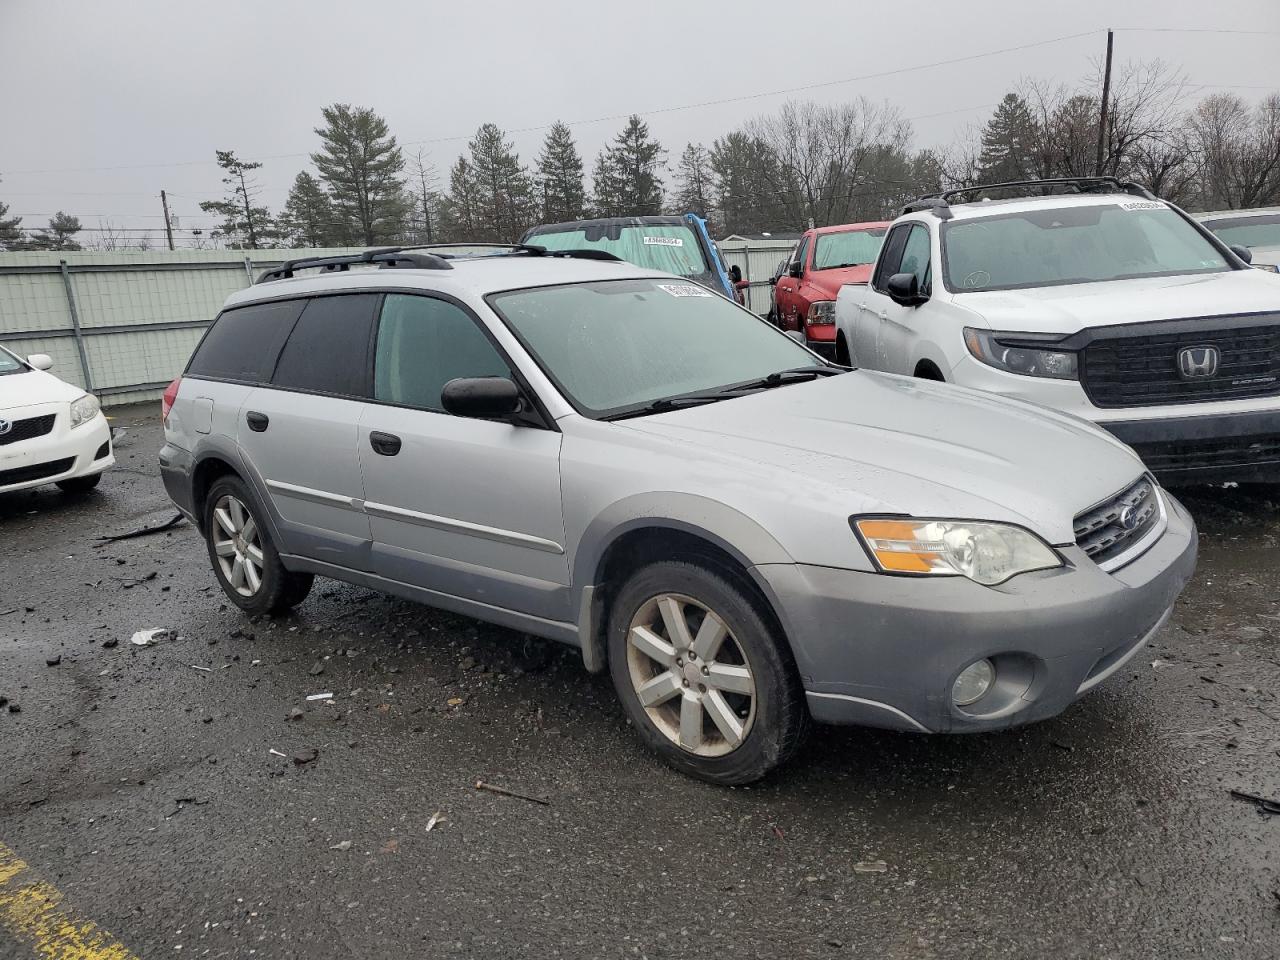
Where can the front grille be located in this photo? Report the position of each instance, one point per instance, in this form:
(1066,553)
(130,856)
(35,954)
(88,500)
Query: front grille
(36,471)
(1210,452)
(28,429)
(1142,370)
(1106,531)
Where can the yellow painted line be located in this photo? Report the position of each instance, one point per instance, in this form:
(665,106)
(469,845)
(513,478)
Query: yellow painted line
(31,911)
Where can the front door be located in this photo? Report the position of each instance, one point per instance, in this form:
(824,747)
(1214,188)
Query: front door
(464,507)
(900,325)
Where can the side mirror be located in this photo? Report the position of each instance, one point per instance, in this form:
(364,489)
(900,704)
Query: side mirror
(1243,252)
(484,398)
(793,269)
(41,361)
(903,288)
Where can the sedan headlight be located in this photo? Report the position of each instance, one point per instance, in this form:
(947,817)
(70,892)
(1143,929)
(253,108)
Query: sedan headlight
(987,553)
(821,313)
(1028,361)
(84,409)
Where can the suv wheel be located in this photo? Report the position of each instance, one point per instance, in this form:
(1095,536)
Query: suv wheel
(244,559)
(702,674)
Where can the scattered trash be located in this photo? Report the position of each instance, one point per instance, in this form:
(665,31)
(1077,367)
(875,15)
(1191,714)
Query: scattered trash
(1263,804)
(1061,746)
(306,756)
(276,753)
(317,669)
(456,701)
(14,708)
(391,846)
(53,661)
(145,638)
(169,524)
(437,818)
(5,613)
(110,643)
(296,714)
(201,669)
(320,696)
(504,792)
(870,866)
(343,846)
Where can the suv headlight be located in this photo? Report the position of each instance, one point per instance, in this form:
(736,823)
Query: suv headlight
(84,409)
(1028,361)
(987,553)
(821,312)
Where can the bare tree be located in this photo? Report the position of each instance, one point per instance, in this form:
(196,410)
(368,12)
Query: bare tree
(1238,150)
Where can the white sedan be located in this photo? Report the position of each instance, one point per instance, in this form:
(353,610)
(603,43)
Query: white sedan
(50,430)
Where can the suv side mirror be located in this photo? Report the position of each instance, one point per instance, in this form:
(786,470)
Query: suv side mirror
(793,269)
(904,288)
(41,361)
(1243,252)
(484,398)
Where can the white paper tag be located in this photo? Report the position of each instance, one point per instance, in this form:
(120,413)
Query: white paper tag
(663,242)
(685,290)
(1142,205)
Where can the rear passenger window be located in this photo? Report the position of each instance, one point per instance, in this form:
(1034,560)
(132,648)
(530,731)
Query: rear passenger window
(423,343)
(243,343)
(328,351)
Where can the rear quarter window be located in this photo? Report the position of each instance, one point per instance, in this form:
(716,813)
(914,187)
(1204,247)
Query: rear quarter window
(244,343)
(328,350)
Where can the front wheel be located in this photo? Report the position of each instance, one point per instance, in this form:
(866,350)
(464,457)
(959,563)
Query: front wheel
(703,675)
(79,484)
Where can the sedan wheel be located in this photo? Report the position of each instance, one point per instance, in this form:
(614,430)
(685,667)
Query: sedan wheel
(690,675)
(236,545)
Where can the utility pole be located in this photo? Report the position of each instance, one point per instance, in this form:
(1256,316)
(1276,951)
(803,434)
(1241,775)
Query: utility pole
(1103,115)
(168,226)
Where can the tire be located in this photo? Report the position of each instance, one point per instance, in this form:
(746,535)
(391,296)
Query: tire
(79,484)
(262,584)
(842,352)
(698,717)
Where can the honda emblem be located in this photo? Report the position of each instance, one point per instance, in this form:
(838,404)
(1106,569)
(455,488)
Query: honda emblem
(1198,363)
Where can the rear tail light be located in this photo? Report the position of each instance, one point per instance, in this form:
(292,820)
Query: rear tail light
(170,395)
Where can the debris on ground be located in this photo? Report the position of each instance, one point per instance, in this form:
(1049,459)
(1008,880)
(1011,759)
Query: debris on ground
(437,818)
(1264,804)
(319,696)
(110,643)
(276,753)
(296,713)
(342,845)
(870,866)
(317,669)
(145,638)
(504,792)
(201,669)
(306,756)
(169,524)
(53,661)
(456,701)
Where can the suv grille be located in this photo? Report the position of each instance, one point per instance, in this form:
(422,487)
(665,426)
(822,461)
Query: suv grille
(1106,531)
(29,428)
(1143,370)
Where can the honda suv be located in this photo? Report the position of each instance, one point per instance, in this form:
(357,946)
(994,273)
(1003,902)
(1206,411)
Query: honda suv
(566,447)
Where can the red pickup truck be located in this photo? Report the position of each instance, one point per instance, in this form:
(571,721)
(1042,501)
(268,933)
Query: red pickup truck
(823,261)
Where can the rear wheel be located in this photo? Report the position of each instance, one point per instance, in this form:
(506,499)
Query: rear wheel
(703,675)
(244,559)
(80,484)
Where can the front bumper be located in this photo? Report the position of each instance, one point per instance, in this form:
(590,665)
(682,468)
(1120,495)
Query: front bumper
(884,651)
(62,454)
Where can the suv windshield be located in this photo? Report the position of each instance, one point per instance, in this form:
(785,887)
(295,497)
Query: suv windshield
(9,363)
(671,248)
(1064,245)
(852,248)
(1261,231)
(615,346)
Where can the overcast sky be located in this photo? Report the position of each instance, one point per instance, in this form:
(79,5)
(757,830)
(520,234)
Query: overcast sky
(152,87)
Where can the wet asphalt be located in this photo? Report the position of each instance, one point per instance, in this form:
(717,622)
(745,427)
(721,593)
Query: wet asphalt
(145,789)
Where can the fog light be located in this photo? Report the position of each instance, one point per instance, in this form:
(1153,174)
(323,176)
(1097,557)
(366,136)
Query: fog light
(974,681)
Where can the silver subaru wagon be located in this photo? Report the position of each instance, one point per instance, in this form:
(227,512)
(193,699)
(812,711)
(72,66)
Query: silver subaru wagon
(745,536)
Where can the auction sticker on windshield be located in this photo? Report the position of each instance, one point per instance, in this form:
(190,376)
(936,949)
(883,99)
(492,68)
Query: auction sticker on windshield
(1142,205)
(685,290)
(664,241)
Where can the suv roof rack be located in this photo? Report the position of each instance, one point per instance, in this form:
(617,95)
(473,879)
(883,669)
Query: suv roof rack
(406,258)
(940,203)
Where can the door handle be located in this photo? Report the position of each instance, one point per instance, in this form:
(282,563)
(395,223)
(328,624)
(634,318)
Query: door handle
(258,422)
(883,315)
(385,444)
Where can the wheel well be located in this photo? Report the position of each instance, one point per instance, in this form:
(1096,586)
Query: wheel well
(928,370)
(206,474)
(842,349)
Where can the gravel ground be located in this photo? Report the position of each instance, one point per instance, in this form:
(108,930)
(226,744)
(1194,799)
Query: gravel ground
(140,782)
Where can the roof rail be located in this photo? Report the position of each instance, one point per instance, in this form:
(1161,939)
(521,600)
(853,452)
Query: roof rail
(384,257)
(1031,188)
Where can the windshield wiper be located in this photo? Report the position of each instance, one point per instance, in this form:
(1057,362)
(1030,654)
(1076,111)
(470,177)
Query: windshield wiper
(794,375)
(663,404)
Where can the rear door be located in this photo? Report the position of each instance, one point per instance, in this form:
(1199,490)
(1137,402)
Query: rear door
(465,507)
(300,432)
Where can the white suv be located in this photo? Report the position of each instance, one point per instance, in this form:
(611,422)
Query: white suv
(1106,303)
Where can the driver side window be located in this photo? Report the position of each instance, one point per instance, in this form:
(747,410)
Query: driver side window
(891,259)
(798,259)
(915,257)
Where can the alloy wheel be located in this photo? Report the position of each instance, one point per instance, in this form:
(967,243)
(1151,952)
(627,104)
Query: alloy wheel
(690,675)
(237,545)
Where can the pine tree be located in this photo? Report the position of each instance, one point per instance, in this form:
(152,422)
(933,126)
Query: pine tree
(307,220)
(360,165)
(750,185)
(694,182)
(59,235)
(1008,142)
(244,223)
(560,177)
(10,229)
(626,174)
(503,204)
(458,210)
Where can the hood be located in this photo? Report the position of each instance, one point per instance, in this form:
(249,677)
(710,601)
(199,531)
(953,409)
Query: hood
(877,443)
(830,281)
(33,387)
(1069,309)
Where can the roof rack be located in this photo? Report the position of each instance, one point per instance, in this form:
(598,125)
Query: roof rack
(940,203)
(405,258)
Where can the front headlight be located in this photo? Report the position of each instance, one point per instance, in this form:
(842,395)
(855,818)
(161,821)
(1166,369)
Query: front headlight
(987,553)
(1030,362)
(84,409)
(821,312)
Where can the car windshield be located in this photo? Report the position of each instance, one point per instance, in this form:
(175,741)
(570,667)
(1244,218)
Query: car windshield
(9,363)
(671,248)
(849,249)
(614,346)
(1248,231)
(1064,245)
